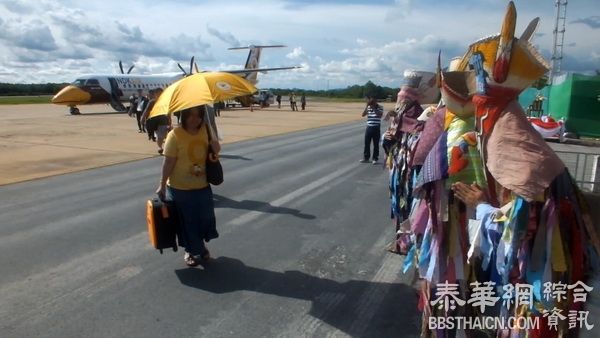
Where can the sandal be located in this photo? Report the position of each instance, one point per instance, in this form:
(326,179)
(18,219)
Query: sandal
(190,260)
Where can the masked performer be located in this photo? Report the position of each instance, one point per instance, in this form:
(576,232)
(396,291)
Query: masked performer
(446,154)
(399,144)
(532,242)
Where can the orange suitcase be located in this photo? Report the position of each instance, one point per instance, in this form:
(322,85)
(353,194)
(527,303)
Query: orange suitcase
(162,224)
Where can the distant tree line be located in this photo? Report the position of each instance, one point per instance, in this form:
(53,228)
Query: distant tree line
(30,89)
(352,92)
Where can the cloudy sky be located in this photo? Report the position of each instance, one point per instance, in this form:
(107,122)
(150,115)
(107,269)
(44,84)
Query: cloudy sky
(338,43)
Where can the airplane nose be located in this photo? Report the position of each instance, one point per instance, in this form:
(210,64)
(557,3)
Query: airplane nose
(71,95)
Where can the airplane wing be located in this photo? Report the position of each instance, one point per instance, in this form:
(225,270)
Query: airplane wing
(255,70)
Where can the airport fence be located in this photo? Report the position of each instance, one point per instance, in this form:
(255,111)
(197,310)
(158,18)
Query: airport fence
(584,167)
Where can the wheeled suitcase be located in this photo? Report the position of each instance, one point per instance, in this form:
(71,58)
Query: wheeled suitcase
(162,224)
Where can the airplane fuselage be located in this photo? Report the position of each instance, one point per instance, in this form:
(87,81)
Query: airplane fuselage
(111,89)
(114,89)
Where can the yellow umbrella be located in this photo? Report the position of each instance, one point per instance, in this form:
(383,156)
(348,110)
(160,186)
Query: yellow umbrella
(199,89)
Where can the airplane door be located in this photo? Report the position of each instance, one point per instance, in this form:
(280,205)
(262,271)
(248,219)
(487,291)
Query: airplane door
(115,92)
(115,95)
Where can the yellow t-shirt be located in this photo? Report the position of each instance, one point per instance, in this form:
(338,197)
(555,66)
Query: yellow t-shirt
(191,151)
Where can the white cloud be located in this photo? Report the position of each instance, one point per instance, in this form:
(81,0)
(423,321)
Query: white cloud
(34,34)
(340,43)
(400,11)
(304,68)
(297,53)
(17,6)
(361,42)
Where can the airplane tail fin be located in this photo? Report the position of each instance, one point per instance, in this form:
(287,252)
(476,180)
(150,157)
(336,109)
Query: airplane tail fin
(253,60)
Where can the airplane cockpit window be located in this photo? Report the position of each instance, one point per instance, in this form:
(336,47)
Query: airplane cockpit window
(78,82)
(92,82)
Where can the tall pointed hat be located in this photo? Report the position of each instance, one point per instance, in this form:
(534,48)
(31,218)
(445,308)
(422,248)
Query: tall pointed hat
(516,156)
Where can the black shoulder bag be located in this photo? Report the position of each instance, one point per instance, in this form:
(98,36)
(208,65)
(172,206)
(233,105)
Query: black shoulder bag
(214,170)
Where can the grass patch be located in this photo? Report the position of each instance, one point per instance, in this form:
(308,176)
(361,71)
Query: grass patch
(25,99)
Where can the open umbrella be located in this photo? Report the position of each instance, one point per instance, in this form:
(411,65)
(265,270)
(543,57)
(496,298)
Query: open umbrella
(199,89)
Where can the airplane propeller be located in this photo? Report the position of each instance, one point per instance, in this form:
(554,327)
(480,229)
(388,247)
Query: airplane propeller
(183,70)
(193,66)
(121,68)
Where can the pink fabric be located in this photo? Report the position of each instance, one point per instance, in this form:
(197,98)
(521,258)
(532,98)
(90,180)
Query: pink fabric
(517,156)
(408,93)
(419,218)
(434,127)
(409,122)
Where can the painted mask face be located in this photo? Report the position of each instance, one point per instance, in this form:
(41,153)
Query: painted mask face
(456,88)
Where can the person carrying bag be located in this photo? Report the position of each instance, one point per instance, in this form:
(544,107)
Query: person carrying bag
(214,169)
(185,181)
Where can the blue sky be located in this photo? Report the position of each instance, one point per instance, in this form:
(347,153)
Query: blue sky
(338,43)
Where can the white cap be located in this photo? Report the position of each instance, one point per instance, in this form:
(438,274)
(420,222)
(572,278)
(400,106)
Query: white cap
(427,113)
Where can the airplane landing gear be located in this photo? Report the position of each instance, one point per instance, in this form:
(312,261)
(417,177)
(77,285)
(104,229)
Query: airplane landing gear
(74,110)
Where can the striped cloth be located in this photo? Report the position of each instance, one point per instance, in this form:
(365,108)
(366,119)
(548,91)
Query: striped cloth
(435,167)
(374,115)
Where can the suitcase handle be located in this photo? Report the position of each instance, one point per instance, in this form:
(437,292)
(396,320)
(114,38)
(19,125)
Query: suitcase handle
(164,211)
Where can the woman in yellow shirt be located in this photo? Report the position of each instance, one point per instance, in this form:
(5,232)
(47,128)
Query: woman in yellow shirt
(183,181)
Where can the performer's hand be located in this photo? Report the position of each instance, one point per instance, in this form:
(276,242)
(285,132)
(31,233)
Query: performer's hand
(471,195)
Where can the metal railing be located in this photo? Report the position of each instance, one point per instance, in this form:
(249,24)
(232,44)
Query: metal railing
(584,167)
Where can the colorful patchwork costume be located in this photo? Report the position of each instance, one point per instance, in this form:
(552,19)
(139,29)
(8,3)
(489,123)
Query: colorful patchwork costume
(533,235)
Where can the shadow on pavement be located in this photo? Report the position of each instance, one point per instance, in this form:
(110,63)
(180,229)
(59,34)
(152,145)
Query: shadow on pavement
(335,303)
(234,157)
(101,113)
(224,202)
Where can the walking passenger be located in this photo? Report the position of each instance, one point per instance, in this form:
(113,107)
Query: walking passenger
(141,105)
(183,181)
(303,101)
(293,102)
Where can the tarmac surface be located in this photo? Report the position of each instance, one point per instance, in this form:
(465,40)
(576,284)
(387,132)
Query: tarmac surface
(44,140)
(303,227)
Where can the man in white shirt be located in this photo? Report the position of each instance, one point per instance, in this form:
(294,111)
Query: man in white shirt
(373,112)
(141,105)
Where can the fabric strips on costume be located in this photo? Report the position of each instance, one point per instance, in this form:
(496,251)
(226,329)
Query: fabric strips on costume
(400,143)
(532,236)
